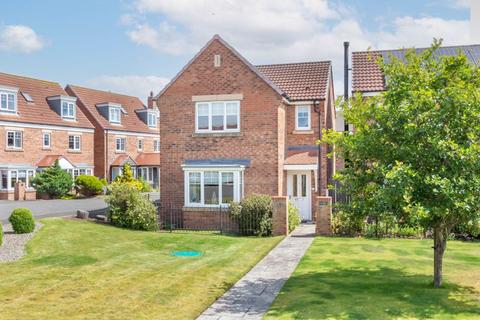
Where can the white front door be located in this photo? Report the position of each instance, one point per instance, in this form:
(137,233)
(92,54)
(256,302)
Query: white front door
(299,192)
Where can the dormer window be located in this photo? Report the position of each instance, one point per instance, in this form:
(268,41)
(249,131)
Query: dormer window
(152,120)
(68,110)
(65,106)
(114,115)
(8,99)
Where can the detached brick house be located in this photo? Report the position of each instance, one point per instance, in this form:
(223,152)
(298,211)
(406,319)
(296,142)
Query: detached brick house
(39,123)
(126,131)
(230,129)
(368,79)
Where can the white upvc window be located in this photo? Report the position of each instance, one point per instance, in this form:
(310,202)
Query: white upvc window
(217,116)
(302,117)
(74,142)
(8,101)
(213,187)
(152,119)
(140,144)
(68,110)
(14,139)
(9,177)
(47,140)
(120,144)
(156,145)
(114,115)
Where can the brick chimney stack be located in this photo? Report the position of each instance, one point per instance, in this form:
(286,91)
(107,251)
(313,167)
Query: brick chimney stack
(151,102)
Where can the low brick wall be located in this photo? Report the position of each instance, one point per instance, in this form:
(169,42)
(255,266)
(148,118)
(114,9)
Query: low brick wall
(205,219)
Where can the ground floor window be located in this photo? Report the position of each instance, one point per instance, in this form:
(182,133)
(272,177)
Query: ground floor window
(213,187)
(79,171)
(9,177)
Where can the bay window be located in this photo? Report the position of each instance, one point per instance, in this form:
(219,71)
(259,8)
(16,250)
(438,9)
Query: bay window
(217,116)
(213,187)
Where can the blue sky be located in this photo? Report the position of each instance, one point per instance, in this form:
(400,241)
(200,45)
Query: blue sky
(135,46)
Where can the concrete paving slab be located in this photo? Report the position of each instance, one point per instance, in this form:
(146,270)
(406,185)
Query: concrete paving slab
(252,295)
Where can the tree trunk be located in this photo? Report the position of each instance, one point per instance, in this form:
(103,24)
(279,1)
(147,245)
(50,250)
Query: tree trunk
(440,235)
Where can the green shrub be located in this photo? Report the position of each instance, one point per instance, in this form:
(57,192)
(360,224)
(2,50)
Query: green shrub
(128,208)
(54,181)
(104,182)
(344,224)
(1,234)
(253,215)
(294,218)
(468,230)
(22,220)
(146,187)
(88,185)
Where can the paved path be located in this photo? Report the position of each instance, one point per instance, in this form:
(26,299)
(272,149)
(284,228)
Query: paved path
(252,295)
(55,208)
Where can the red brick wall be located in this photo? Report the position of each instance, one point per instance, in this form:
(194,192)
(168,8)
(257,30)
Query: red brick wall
(33,147)
(130,147)
(258,139)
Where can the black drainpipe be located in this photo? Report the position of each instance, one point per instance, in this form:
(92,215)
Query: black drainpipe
(316,107)
(346,69)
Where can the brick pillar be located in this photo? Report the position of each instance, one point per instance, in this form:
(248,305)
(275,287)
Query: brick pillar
(324,216)
(19,191)
(280,216)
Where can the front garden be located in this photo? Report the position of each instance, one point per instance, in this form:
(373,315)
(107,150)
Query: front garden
(82,270)
(353,278)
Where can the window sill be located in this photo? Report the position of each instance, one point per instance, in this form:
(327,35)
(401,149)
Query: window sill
(206,208)
(13,150)
(9,113)
(119,151)
(217,134)
(47,149)
(74,151)
(302,132)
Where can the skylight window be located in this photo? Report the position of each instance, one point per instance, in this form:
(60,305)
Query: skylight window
(27,97)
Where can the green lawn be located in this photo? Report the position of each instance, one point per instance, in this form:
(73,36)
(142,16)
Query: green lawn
(82,270)
(342,278)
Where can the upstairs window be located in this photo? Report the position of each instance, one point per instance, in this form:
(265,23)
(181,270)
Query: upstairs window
(120,144)
(8,101)
(152,120)
(156,145)
(74,143)
(302,118)
(68,110)
(218,116)
(47,140)
(139,144)
(114,115)
(14,139)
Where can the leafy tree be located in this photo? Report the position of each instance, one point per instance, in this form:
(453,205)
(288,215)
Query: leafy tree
(53,181)
(127,178)
(415,151)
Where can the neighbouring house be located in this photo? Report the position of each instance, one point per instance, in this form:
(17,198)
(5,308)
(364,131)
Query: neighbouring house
(40,123)
(368,79)
(126,131)
(230,129)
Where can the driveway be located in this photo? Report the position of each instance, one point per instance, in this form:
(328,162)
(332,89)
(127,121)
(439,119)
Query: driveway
(55,208)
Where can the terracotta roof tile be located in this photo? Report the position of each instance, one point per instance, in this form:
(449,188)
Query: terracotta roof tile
(148,159)
(49,160)
(301,157)
(38,111)
(300,81)
(130,121)
(366,73)
(120,160)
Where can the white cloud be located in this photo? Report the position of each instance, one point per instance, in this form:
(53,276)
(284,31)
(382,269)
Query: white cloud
(19,38)
(133,85)
(461,4)
(272,31)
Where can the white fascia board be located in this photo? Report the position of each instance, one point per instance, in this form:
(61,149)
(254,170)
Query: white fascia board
(212,168)
(42,126)
(133,133)
(300,167)
(62,97)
